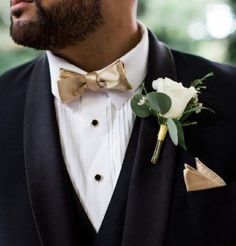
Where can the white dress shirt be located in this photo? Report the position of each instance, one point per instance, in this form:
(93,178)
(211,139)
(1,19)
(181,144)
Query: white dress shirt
(95,130)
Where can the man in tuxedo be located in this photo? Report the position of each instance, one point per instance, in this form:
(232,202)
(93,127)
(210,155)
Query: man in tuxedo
(75,163)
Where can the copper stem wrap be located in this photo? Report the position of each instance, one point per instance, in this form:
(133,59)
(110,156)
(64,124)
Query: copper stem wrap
(160,140)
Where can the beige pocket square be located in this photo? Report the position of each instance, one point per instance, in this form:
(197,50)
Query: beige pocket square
(201,178)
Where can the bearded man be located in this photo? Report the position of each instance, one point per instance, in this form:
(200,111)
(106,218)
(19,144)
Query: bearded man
(74,160)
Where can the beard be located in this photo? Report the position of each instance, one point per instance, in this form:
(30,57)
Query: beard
(63,24)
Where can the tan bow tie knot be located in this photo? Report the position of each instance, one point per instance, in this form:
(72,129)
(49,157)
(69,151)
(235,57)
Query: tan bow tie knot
(93,81)
(72,85)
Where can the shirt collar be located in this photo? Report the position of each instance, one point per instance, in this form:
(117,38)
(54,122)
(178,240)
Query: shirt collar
(135,62)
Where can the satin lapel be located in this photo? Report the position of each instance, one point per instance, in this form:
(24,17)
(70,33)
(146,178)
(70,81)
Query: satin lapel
(45,170)
(150,188)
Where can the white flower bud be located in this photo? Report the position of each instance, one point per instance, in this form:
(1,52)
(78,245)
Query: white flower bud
(180,95)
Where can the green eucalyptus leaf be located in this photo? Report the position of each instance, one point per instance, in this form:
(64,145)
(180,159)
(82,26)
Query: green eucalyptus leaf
(173,131)
(159,102)
(181,138)
(140,110)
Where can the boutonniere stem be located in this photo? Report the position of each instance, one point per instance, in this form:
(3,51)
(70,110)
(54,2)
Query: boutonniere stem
(160,140)
(172,104)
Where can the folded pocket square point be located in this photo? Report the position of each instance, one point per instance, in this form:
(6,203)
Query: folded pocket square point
(201,178)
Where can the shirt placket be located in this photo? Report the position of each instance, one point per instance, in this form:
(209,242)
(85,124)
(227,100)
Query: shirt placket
(95,155)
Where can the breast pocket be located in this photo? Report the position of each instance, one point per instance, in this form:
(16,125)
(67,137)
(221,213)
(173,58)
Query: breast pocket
(210,216)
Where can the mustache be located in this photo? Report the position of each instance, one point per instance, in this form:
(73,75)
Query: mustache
(37,3)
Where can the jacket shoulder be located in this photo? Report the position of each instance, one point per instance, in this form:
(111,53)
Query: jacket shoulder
(220,88)
(15,72)
(17,77)
(190,67)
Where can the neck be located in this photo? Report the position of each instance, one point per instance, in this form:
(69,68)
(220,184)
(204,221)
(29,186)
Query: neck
(102,47)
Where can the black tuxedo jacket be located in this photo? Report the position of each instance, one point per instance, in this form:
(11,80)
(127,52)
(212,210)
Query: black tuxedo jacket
(150,205)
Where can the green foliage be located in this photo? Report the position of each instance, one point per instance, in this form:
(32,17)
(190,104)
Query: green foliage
(142,111)
(153,103)
(181,139)
(159,102)
(173,131)
(231,54)
(171,21)
(10,59)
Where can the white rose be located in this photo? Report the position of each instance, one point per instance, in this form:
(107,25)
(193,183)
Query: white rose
(180,95)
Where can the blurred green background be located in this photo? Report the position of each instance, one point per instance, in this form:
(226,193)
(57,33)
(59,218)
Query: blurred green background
(203,27)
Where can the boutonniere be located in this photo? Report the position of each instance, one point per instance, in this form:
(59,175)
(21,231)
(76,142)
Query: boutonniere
(172,104)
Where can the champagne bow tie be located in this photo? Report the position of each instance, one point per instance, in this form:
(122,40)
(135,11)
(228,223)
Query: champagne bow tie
(72,85)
